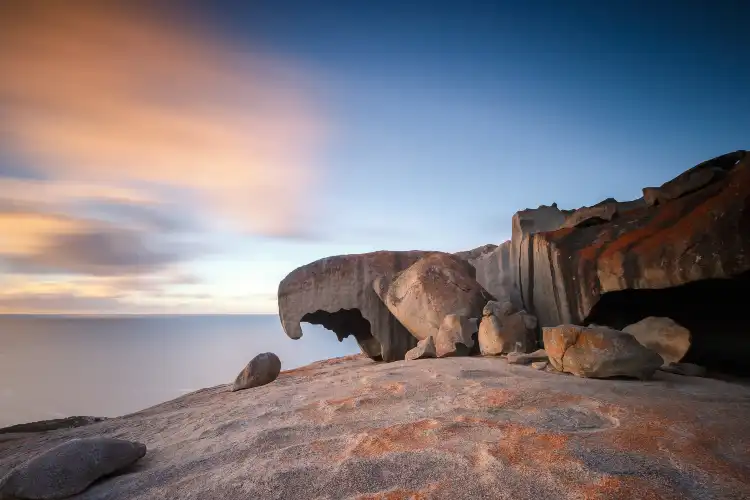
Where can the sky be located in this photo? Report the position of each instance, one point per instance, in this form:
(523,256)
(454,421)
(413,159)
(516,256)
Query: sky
(183,157)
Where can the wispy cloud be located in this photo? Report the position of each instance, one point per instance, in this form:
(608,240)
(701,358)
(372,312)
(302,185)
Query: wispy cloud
(104,93)
(129,136)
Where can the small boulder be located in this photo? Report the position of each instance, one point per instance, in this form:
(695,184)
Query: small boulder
(455,336)
(499,309)
(261,370)
(686,369)
(539,365)
(520,358)
(69,468)
(662,335)
(490,339)
(598,352)
(518,332)
(425,349)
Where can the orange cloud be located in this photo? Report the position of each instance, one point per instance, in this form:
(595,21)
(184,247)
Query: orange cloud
(107,94)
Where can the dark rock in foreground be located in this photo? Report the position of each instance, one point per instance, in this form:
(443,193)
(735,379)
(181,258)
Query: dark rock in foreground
(69,468)
(51,425)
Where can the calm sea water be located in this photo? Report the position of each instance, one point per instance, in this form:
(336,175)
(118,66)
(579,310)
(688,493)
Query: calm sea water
(53,367)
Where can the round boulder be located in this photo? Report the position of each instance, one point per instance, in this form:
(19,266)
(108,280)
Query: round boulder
(261,370)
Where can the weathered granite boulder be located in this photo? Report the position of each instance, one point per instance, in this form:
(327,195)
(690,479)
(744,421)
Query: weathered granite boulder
(261,370)
(598,352)
(499,309)
(435,286)
(520,358)
(699,235)
(69,468)
(540,365)
(425,349)
(670,340)
(455,337)
(489,336)
(693,179)
(337,293)
(497,273)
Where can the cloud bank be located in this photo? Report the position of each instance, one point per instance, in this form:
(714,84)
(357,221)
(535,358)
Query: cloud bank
(128,134)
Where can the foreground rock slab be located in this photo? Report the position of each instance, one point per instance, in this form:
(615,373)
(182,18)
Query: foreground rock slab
(69,468)
(354,429)
(598,352)
(261,370)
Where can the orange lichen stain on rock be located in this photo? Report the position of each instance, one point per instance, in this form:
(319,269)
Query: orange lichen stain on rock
(402,494)
(411,436)
(395,495)
(523,445)
(397,388)
(625,488)
(653,433)
(498,397)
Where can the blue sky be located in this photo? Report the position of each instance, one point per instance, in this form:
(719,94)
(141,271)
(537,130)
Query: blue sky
(235,141)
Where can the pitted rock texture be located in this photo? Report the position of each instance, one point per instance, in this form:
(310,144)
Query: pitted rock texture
(438,429)
(337,293)
(598,352)
(700,235)
(432,288)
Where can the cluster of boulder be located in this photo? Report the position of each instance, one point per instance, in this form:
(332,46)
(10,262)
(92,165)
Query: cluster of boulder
(554,284)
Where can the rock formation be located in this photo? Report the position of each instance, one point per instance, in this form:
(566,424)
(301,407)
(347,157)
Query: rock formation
(455,337)
(433,287)
(682,251)
(69,468)
(261,370)
(598,352)
(337,293)
(662,335)
(701,238)
(425,349)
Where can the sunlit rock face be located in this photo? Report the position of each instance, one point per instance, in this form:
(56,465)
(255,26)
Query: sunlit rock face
(448,429)
(337,293)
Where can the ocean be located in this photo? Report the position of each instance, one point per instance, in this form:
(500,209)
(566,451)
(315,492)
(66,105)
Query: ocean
(59,366)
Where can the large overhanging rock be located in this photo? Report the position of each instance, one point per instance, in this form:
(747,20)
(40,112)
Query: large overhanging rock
(432,288)
(699,235)
(337,293)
